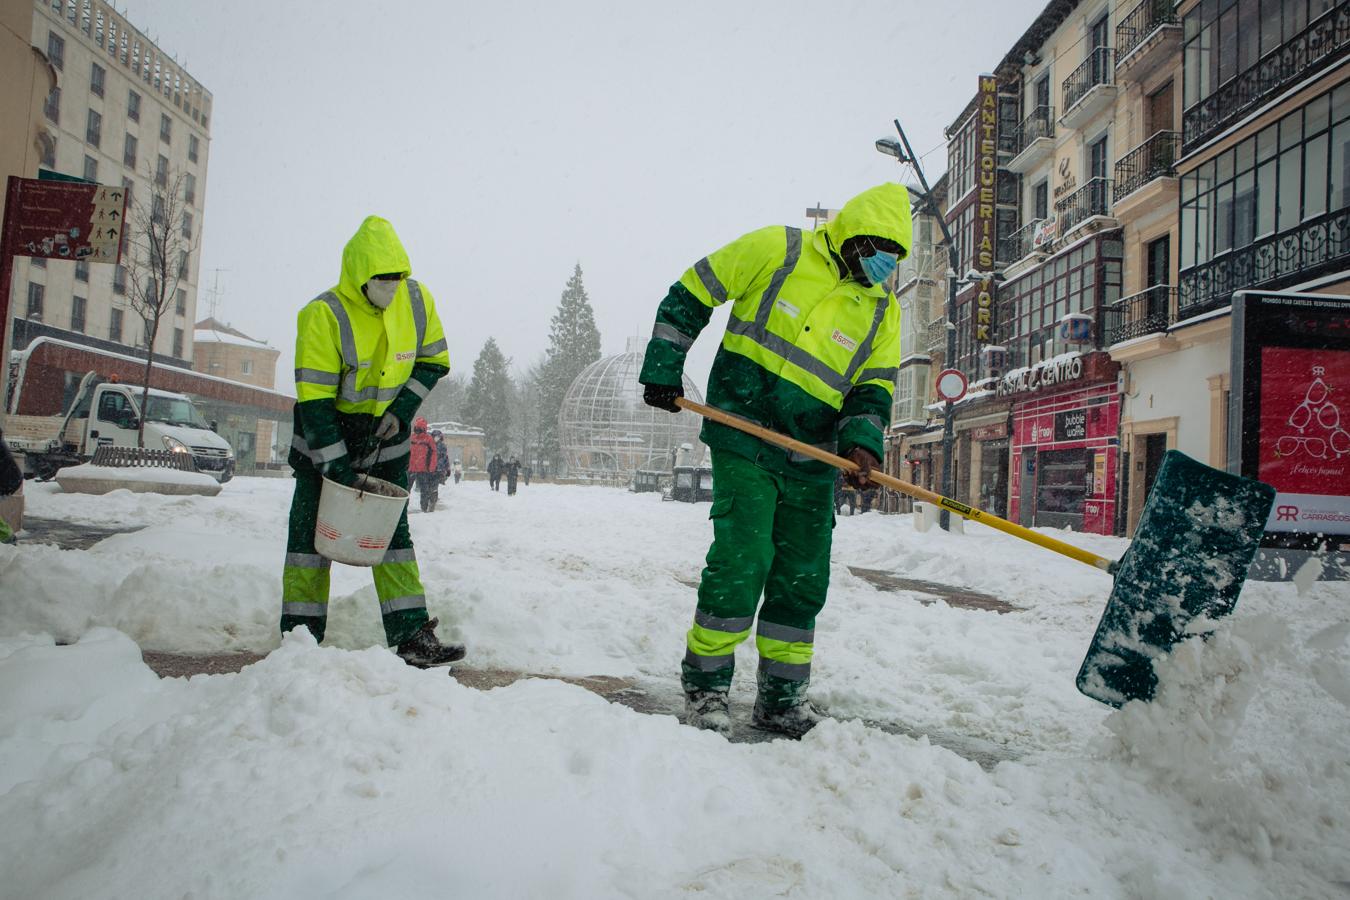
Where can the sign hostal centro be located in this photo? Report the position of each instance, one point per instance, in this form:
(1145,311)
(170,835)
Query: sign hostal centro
(986,161)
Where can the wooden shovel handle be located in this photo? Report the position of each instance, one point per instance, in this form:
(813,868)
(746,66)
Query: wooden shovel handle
(895,484)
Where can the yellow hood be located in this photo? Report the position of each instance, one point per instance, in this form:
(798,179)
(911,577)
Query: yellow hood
(374,250)
(882,211)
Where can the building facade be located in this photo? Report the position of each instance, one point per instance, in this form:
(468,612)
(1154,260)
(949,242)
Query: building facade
(1150,160)
(226,352)
(121,112)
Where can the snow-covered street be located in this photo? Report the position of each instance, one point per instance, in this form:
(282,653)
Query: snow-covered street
(337,771)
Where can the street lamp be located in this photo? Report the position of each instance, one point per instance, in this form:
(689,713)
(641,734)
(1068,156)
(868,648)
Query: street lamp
(904,153)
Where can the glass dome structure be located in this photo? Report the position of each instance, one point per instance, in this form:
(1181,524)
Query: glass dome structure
(607,433)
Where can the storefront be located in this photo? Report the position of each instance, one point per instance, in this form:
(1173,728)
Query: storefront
(991,446)
(1065,443)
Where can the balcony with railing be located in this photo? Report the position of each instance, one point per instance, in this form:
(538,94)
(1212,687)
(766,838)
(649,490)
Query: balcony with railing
(1154,159)
(1019,244)
(1034,140)
(1317,247)
(1146,39)
(1315,48)
(1091,201)
(1150,311)
(1090,88)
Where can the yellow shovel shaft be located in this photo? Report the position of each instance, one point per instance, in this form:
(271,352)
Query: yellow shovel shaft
(904,487)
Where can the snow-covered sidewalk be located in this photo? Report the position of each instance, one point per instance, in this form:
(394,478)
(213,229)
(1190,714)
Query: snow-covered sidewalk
(336,771)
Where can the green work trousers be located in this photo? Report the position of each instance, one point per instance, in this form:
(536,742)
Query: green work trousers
(771,537)
(304,580)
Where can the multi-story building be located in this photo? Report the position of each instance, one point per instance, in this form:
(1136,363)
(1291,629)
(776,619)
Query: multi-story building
(1152,159)
(920,286)
(227,352)
(1263,168)
(122,112)
(25,81)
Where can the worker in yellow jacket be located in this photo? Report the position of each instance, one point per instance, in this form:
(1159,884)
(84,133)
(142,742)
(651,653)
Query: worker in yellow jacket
(368,351)
(811,350)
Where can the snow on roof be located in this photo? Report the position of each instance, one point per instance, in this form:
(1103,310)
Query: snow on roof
(210,335)
(211,330)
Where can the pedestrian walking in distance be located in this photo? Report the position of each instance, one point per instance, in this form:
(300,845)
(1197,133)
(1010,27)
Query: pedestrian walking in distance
(512,476)
(422,465)
(459,471)
(367,352)
(811,350)
(495,472)
(442,458)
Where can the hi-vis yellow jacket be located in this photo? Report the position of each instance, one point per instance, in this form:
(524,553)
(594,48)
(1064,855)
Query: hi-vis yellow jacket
(354,361)
(808,351)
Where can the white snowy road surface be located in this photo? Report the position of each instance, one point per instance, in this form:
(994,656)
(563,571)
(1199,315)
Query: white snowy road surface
(336,771)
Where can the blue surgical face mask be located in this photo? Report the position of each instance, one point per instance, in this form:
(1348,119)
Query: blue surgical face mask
(879,266)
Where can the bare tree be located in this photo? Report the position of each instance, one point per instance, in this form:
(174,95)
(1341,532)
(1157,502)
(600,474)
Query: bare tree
(160,243)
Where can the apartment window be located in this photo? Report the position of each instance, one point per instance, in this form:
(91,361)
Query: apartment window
(96,76)
(1293,171)
(182,268)
(162,170)
(82,270)
(190,188)
(1097,158)
(180,302)
(93,129)
(129,151)
(1225,38)
(178,342)
(52,108)
(1075,281)
(39,261)
(56,49)
(192,147)
(157,209)
(77,305)
(36,294)
(187,224)
(48,144)
(165,127)
(115,325)
(133,106)
(90,169)
(246,367)
(120,283)
(1040,201)
(129,187)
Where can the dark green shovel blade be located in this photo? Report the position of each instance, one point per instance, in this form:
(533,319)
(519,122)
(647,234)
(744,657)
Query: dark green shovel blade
(1197,537)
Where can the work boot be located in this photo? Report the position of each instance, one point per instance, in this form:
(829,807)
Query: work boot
(793,721)
(708,710)
(424,650)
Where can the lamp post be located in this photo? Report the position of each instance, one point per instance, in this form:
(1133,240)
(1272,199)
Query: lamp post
(903,153)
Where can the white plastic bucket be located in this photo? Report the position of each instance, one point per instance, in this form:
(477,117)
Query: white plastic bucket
(356,524)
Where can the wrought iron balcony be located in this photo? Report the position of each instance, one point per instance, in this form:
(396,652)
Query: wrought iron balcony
(1097,69)
(1154,158)
(1092,199)
(1148,312)
(1141,24)
(1314,48)
(1019,244)
(1033,140)
(1317,247)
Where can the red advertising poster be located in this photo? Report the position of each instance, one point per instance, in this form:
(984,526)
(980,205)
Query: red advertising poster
(1304,449)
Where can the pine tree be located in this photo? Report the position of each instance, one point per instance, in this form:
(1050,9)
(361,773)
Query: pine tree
(574,343)
(487,404)
(445,403)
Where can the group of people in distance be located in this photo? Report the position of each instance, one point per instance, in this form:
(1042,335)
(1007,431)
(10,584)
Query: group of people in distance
(497,467)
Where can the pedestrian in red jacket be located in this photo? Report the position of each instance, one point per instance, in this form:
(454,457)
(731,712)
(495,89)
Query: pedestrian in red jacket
(422,465)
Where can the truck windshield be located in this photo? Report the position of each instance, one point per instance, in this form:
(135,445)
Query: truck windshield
(174,411)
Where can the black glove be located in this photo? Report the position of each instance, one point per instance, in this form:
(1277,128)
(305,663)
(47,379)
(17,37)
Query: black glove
(865,461)
(341,471)
(662,396)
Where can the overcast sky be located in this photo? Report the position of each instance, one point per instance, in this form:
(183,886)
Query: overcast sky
(508,141)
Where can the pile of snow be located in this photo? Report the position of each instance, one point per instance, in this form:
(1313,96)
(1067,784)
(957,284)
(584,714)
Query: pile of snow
(338,771)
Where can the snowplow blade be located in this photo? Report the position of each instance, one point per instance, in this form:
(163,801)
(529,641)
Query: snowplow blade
(1196,539)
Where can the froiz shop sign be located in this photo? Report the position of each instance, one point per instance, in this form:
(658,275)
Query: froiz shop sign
(1052,372)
